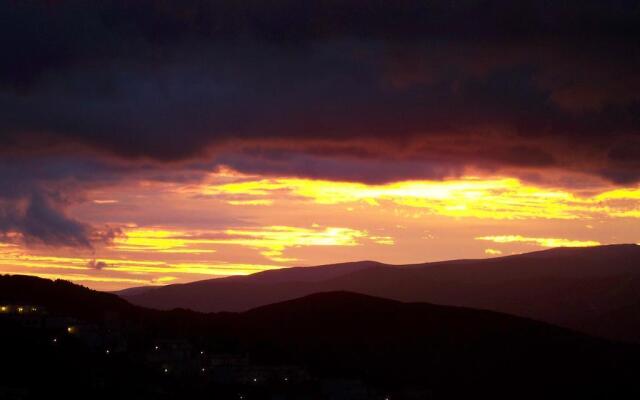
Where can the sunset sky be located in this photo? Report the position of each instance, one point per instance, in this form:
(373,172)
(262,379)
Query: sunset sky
(147,143)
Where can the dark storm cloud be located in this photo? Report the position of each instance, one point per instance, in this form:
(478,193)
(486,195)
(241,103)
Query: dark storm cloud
(369,91)
(370,171)
(35,193)
(38,221)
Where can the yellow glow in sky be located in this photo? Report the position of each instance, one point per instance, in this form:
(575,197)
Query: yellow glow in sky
(16,260)
(271,241)
(159,240)
(501,198)
(544,242)
(236,224)
(492,252)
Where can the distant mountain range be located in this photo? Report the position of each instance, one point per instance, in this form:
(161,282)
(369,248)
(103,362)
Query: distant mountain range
(411,350)
(595,290)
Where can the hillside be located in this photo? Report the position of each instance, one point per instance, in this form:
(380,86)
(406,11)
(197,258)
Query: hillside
(390,348)
(571,287)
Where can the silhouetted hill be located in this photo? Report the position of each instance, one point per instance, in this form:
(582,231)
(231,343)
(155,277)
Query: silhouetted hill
(454,350)
(61,297)
(132,291)
(572,287)
(64,298)
(396,349)
(295,274)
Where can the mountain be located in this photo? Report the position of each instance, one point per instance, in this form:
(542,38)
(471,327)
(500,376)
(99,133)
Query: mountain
(393,349)
(454,350)
(62,297)
(297,274)
(571,287)
(132,291)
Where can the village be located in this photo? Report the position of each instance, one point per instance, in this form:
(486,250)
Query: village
(177,359)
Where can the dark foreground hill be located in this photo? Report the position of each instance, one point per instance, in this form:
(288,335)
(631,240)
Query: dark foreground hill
(594,290)
(351,346)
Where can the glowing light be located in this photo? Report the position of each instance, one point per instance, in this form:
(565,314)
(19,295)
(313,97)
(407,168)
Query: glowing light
(271,241)
(257,202)
(495,198)
(619,194)
(162,241)
(388,240)
(544,242)
(272,226)
(105,201)
(219,269)
(19,258)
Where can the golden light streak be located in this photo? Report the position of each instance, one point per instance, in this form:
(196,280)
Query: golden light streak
(619,194)
(257,202)
(270,241)
(498,198)
(273,240)
(388,240)
(105,201)
(543,242)
(222,269)
(162,241)
(148,242)
(262,229)
(11,260)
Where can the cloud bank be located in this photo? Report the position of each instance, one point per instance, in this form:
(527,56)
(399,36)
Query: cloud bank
(344,90)
(489,84)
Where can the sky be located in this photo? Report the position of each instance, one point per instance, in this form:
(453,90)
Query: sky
(158,142)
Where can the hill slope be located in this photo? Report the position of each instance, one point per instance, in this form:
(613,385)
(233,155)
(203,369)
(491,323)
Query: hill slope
(457,350)
(567,286)
(408,350)
(61,297)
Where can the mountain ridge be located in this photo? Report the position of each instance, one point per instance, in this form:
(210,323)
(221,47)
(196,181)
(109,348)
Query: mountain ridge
(570,287)
(407,349)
